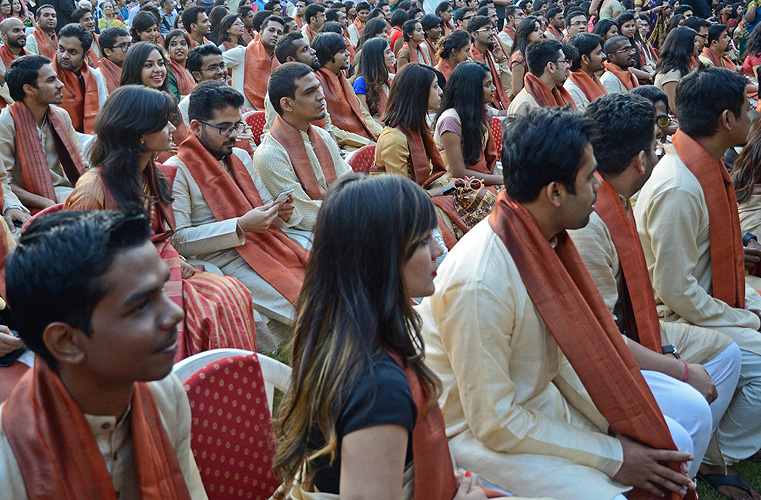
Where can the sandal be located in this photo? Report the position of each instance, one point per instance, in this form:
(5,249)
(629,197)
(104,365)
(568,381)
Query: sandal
(716,481)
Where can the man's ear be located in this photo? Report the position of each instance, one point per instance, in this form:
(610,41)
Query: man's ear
(554,193)
(638,163)
(64,342)
(29,89)
(286,104)
(195,127)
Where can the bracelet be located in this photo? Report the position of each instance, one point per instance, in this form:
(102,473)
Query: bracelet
(686,371)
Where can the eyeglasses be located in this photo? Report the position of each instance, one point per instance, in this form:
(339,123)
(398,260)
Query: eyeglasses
(123,46)
(238,128)
(215,67)
(663,121)
(704,37)
(485,30)
(627,49)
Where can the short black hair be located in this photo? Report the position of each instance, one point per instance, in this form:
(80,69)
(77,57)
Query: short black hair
(273,19)
(363,6)
(282,82)
(332,14)
(197,54)
(22,71)
(190,16)
(76,30)
(714,32)
(461,13)
(108,36)
(327,45)
(478,22)
(652,93)
(703,95)
(332,27)
(259,18)
(44,6)
(682,9)
(553,11)
(54,272)
(210,96)
(312,10)
(429,21)
(612,43)
(285,47)
(399,17)
(696,23)
(510,11)
(539,53)
(483,11)
(625,127)
(271,5)
(78,14)
(584,43)
(530,161)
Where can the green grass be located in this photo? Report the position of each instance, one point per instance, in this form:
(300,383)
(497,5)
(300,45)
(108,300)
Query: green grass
(750,471)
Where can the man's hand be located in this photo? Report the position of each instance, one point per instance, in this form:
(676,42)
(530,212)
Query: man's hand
(8,342)
(186,270)
(701,381)
(752,253)
(285,209)
(14,214)
(642,468)
(258,219)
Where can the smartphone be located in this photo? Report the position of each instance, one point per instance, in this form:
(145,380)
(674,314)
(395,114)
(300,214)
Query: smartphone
(283,196)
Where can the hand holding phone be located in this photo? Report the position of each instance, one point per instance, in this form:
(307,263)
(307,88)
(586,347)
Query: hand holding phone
(282,197)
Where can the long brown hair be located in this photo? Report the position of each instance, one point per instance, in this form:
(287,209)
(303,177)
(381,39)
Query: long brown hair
(353,303)
(746,171)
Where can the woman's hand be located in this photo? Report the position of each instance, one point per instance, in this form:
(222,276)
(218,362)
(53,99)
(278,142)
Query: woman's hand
(470,487)
(8,342)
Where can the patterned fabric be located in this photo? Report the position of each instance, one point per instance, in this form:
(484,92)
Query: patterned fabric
(233,441)
(473,205)
(256,121)
(362,160)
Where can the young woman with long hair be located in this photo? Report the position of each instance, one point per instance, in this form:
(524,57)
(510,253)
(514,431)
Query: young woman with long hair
(20,12)
(215,18)
(375,28)
(181,82)
(676,60)
(453,50)
(529,30)
(231,31)
(144,28)
(124,176)
(413,49)
(358,385)
(753,52)
(463,124)
(5,10)
(444,11)
(627,24)
(606,29)
(373,80)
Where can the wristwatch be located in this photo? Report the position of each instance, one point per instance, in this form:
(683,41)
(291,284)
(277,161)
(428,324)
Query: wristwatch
(670,349)
(747,237)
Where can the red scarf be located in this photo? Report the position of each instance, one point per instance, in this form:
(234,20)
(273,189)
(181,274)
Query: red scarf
(111,73)
(185,81)
(510,31)
(722,62)
(51,439)
(591,86)
(299,21)
(271,254)
(358,24)
(500,101)
(558,96)
(81,103)
(342,104)
(7,56)
(46,44)
(35,172)
(626,76)
(258,67)
(290,139)
(727,255)
(445,68)
(427,164)
(432,52)
(568,301)
(556,33)
(416,54)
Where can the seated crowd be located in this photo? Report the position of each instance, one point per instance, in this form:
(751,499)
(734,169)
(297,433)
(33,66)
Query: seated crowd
(510,249)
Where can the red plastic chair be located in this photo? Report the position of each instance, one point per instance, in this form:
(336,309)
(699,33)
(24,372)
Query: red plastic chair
(496,133)
(363,159)
(50,210)
(232,434)
(256,121)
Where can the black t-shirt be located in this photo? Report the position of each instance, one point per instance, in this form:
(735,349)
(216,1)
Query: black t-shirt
(384,400)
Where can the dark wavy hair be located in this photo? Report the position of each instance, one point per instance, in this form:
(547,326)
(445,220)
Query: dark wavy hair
(524,29)
(372,67)
(132,66)
(676,52)
(373,28)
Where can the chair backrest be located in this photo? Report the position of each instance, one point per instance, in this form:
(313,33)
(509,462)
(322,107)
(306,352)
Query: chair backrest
(232,437)
(256,121)
(363,159)
(50,210)
(496,133)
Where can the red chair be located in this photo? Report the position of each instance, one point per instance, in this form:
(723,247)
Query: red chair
(496,133)
(232,434)
(50,210)
(256,121)
(363,159)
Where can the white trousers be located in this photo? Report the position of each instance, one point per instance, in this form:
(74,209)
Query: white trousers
(740,428)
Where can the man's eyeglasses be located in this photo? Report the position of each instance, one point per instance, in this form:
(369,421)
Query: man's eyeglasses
(704,37)
(579,24)
(238,128)
(485,30)
(123,46)
(562,61)
(214,68)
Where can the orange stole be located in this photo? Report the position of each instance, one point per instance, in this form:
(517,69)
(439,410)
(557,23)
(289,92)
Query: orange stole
(35,171)
(7,56)
(722,62)
(556,33)
(47,45)
(500,101)
(309,33)
(445,68)
(490,155)
(111,73)
(185,82)
(258,66)
(591,86)
(342,104)
(626,76)
(68,457)
(416,54)
(3,254)
(290,139)
(510,31)
(432,52)
(359,25)
(299,21)
(382,100)
(81,103)
(92,56)
(568,301)
(192,42)
(640,314)
(433,469)
(727,256)
(559,96)
(273,255)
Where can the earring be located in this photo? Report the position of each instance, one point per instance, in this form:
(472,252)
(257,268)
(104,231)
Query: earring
(142,142)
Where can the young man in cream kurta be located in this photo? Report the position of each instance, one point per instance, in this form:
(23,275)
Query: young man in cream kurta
(672,222)
(516,412)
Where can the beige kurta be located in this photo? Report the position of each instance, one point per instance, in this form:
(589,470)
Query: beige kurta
(750,215)
(672,221)
(612,84)
(580,99)
(114,440)
(10,168)
(522,103)
(235,59)
(273,165)
(516,412)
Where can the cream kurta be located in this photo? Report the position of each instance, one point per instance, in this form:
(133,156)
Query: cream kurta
(612,84)
(114,440)
(750,215)
(9,156)
(672,221)
(522,103)
(516,412)
(235,59)
(273,165)
(580,99)
(695,344)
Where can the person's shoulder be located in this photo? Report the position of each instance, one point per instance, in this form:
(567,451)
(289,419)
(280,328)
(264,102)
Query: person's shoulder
(167,393)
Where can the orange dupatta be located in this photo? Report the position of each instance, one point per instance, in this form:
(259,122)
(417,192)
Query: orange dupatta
(185,82)
(290,139)
(432,52)
(590,86)
(92,55)
(727,255)
(556,34)
(299,21)
(569,303)
(500,101)
(80,97)
(722,62)
(7,56)
(111,73)
(47,45)
(342,104)
(258,66)
(445,68)
(35,172)
(357,23)
(626,76)
(640,313)
(414,58)
(51,439)
(545,97)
